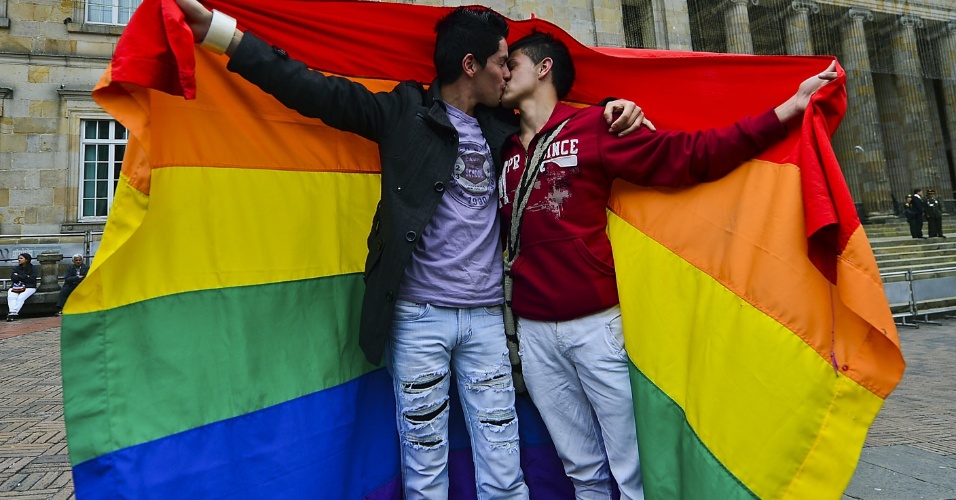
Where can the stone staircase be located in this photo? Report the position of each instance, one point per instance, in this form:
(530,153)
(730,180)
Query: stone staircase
(896,251)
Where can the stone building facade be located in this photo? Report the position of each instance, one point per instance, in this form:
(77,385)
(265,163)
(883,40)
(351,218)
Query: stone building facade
(60,153)
(54,158)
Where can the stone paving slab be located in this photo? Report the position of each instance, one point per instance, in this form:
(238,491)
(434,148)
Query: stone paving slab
(910,452)
(891,472)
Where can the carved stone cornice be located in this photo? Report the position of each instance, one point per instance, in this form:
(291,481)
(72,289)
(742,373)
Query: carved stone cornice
(858,14)
(805,6)
(5,92)
(76,94)
(910,21)
(928,10)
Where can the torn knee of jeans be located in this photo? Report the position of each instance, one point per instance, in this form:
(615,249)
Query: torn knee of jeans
(511,445)
(425,414)
(423,384)
(421,431)
(498,382)
(425,442)
(497,420)
(499,427)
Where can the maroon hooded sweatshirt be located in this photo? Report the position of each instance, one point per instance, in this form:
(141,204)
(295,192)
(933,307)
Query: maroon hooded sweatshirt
(564,268)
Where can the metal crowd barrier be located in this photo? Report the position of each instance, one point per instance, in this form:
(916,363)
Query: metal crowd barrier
(915,298)
(90,240)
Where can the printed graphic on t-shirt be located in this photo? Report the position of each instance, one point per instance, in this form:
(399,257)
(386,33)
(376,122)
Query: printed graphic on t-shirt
(558,182)
(473,183)
(563,154)
(558,169)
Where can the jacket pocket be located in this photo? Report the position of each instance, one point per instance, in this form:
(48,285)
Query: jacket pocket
(595,263)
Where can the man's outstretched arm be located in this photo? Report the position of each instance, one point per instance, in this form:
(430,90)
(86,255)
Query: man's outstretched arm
(673,158)
(623,116)
(794,107)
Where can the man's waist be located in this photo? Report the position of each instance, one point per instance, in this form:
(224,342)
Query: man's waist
(443,294)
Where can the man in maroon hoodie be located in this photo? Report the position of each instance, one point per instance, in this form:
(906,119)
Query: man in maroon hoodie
(557,177)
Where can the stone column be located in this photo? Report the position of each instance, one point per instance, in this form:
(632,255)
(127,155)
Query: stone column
(859,140)
(891,110)
(799,42)
(737,23)
(49,275)
(672,24)
(918,151)
(591,22)
(608,25)
(947,45)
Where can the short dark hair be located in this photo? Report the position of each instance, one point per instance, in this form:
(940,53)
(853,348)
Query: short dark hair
(466,30)
(537,46)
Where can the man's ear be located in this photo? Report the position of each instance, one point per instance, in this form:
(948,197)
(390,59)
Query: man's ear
(469,65)
(544,67)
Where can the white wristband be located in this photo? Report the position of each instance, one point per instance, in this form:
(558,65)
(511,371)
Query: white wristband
(221,30)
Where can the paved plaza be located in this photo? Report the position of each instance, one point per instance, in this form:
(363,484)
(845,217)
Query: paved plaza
(33,455)
(910,452)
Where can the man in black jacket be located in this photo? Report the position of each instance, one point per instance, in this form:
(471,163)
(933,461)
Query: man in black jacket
(433,298)
(71,279)
(919,213)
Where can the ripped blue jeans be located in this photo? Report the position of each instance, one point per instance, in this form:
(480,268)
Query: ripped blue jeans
(428,345)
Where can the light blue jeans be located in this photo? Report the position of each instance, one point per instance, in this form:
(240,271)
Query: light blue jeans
(577,375)
(428,345)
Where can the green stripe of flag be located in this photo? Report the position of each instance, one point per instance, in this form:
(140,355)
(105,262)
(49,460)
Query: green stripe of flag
(675,463)
(220,353)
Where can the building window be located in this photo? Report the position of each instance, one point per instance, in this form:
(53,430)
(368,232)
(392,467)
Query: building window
(115,12)
(4,20)
(102,146)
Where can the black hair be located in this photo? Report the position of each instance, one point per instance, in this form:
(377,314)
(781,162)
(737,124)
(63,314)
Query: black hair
(466,30)
(537,46)
(29,265)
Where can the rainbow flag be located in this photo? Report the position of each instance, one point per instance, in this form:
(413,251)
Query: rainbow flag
(212,350)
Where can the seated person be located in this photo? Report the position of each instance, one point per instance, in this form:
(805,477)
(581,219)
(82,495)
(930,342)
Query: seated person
(71,278)
(24,284)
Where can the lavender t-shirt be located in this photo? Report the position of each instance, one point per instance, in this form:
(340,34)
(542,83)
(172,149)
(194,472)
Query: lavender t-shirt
(458,262)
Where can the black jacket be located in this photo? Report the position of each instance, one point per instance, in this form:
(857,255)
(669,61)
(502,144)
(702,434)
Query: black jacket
(418,147)
(72,275)
(20,274)
(919,208)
